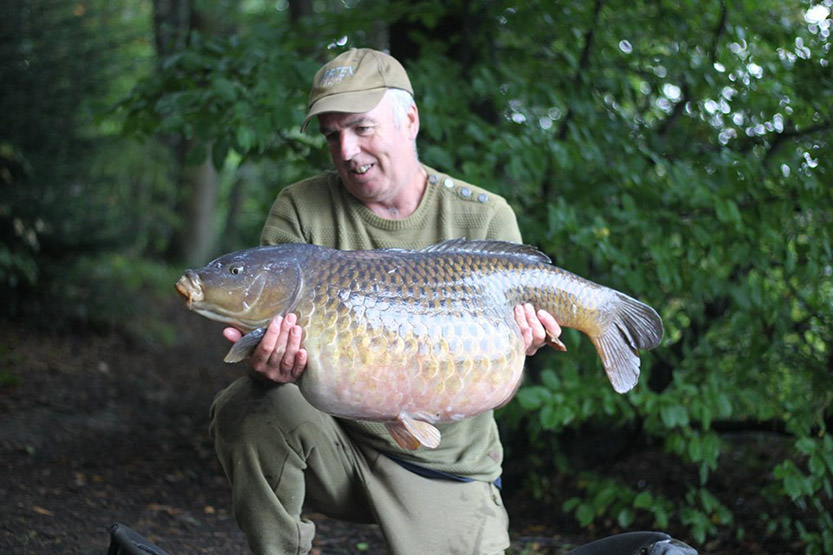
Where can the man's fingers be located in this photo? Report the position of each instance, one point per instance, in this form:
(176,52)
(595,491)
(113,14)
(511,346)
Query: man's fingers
(549,322)
(538,333)
(279,356)
(283,336)
(300,364)
(538,328)
(520,317)
(293,343)
(552,329)
(265,349)
(232,334)
(273,332)
(526,332)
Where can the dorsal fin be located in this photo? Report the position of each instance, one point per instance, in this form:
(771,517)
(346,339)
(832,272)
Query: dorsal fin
(464,246)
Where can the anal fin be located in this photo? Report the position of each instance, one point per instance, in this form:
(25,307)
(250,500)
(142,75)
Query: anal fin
(410,433)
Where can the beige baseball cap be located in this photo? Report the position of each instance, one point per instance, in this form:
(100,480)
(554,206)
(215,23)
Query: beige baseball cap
(355,82)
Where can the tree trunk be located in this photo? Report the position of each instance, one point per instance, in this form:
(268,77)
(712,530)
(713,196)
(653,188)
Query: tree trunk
(466,33)
(232,228)
(193,240)
(199,235)
(299,9)
(171,26)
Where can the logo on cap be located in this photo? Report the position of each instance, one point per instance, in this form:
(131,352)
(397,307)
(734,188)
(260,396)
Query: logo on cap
(335,75)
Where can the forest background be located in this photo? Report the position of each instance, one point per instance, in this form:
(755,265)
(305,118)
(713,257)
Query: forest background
(678,151)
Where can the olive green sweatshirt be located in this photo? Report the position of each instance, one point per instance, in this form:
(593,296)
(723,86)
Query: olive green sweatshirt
(321,211)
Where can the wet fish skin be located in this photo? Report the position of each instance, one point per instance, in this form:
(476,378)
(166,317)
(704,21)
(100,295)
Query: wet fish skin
(412,338)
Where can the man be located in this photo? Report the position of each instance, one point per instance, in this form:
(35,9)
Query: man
(279,453)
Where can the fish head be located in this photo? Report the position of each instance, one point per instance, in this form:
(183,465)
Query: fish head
(245,288)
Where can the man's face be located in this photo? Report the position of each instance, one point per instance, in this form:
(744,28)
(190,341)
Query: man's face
(373,157)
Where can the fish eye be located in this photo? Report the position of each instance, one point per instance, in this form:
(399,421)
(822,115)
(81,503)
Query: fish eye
(235,270)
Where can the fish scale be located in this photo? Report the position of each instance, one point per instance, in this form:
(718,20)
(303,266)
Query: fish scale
(413,338)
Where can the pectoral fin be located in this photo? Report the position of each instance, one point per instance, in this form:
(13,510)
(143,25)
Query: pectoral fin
(409,433)
(245,346)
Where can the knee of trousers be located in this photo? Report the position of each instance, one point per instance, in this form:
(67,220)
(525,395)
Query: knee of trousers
(248,416)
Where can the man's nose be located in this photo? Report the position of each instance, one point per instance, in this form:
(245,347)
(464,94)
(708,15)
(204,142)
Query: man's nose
(348,146)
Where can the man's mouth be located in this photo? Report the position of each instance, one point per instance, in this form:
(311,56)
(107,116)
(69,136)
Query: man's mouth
(361,170)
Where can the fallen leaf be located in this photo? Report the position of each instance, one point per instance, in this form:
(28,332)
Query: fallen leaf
(164,508)
(42,511)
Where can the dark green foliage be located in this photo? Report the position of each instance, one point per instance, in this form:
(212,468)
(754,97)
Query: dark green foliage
(74,196)
(44,84)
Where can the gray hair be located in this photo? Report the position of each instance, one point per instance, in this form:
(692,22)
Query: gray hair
(401,100)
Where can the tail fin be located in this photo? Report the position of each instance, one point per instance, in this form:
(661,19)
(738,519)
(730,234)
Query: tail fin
(634,326)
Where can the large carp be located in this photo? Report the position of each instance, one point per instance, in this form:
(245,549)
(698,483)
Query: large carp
(412,338)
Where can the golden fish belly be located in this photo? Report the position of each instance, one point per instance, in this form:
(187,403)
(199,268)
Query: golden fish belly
(377,359)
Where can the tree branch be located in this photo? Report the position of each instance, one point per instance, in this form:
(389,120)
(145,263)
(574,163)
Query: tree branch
(789,134)
(584,61)
(678,110)
(718,32)
(679,107)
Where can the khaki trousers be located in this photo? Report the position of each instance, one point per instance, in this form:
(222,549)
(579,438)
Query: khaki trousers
(281,456)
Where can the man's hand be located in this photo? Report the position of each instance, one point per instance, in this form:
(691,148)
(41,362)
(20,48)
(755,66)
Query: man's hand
(279,356)
(538,329)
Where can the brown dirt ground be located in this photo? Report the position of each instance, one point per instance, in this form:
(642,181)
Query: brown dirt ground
(100,428)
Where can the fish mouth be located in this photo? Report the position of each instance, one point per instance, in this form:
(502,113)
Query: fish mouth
(190,288)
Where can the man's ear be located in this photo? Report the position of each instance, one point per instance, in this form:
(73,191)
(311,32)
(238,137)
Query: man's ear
(412,120)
